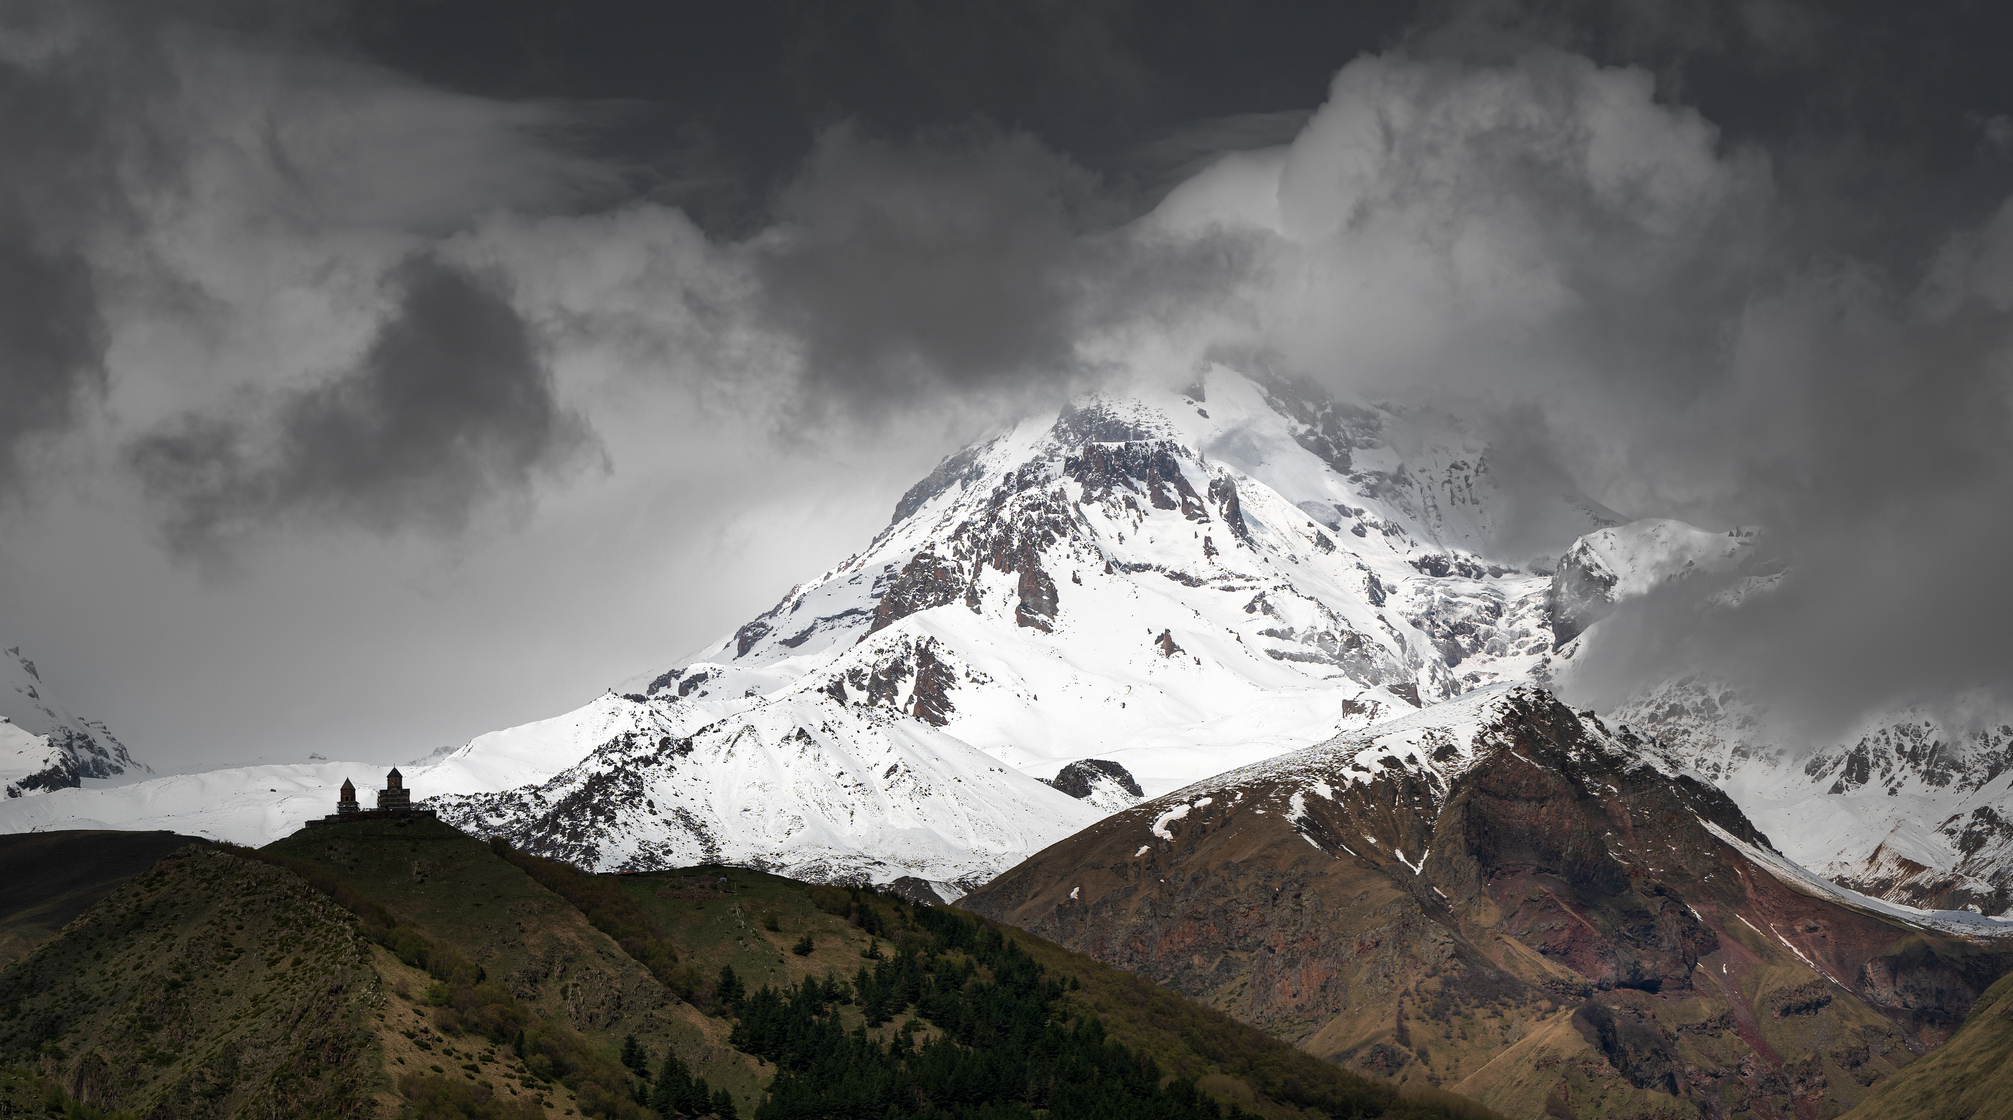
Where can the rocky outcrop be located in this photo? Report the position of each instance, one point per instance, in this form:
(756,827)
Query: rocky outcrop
(926,581)
(1101,782)
(956,471)
(1581,594)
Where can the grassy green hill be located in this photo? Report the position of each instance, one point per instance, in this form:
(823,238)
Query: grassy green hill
(754,924)
(1970,1077)
(401,968)
(48,878)
(527,942)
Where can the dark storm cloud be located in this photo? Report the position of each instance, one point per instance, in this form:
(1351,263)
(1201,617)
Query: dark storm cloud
(753,84)
(55,194)
(1729,260)
(948,262)
(1832,367)
(125,128)
(1874,114)
(450,407)
(970,262)
(52,344)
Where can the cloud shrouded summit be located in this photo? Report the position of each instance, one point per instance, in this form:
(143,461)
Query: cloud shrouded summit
(343,287)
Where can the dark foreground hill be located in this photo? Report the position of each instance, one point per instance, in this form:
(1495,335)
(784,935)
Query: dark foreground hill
(207,986)
(393,967)
(1503,898)
(48,878)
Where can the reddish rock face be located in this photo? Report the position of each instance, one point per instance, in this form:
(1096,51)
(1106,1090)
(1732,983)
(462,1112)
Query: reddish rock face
(1529,910)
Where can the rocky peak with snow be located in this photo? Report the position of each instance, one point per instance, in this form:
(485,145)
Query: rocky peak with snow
(1166,582)
(1103,783)
(43,745)
(1611,565)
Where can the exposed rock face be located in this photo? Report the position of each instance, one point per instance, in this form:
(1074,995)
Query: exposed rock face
(1498,876)
(1582,593)
(966,466)
(926,581)
(1103,783)
(1922,761)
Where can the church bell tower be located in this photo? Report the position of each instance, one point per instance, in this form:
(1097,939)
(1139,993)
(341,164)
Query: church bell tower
(394,796)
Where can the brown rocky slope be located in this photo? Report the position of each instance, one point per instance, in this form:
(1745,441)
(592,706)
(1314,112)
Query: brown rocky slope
(1505,898)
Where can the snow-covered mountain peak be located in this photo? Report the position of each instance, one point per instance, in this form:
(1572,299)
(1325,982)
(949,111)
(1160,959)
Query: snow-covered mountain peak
(1170,582)
(1166,581)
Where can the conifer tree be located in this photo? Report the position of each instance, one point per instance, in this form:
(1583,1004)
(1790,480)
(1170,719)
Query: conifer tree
(728,989)
(673,1095)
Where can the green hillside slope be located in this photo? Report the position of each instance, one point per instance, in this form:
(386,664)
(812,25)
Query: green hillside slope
(529,943)
(1969,1077)
(754,925)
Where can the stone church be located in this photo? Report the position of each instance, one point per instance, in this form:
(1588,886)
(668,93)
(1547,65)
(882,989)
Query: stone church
(393,801)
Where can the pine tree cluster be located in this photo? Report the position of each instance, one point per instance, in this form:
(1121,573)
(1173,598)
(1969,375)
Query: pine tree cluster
(996,1050)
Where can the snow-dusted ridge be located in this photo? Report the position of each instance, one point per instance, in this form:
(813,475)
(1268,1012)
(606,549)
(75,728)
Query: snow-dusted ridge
(1962,923)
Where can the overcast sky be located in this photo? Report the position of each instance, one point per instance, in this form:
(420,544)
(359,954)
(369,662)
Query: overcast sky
(377,374)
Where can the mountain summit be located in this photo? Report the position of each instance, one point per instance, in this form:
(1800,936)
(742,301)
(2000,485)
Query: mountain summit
(1167,583)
